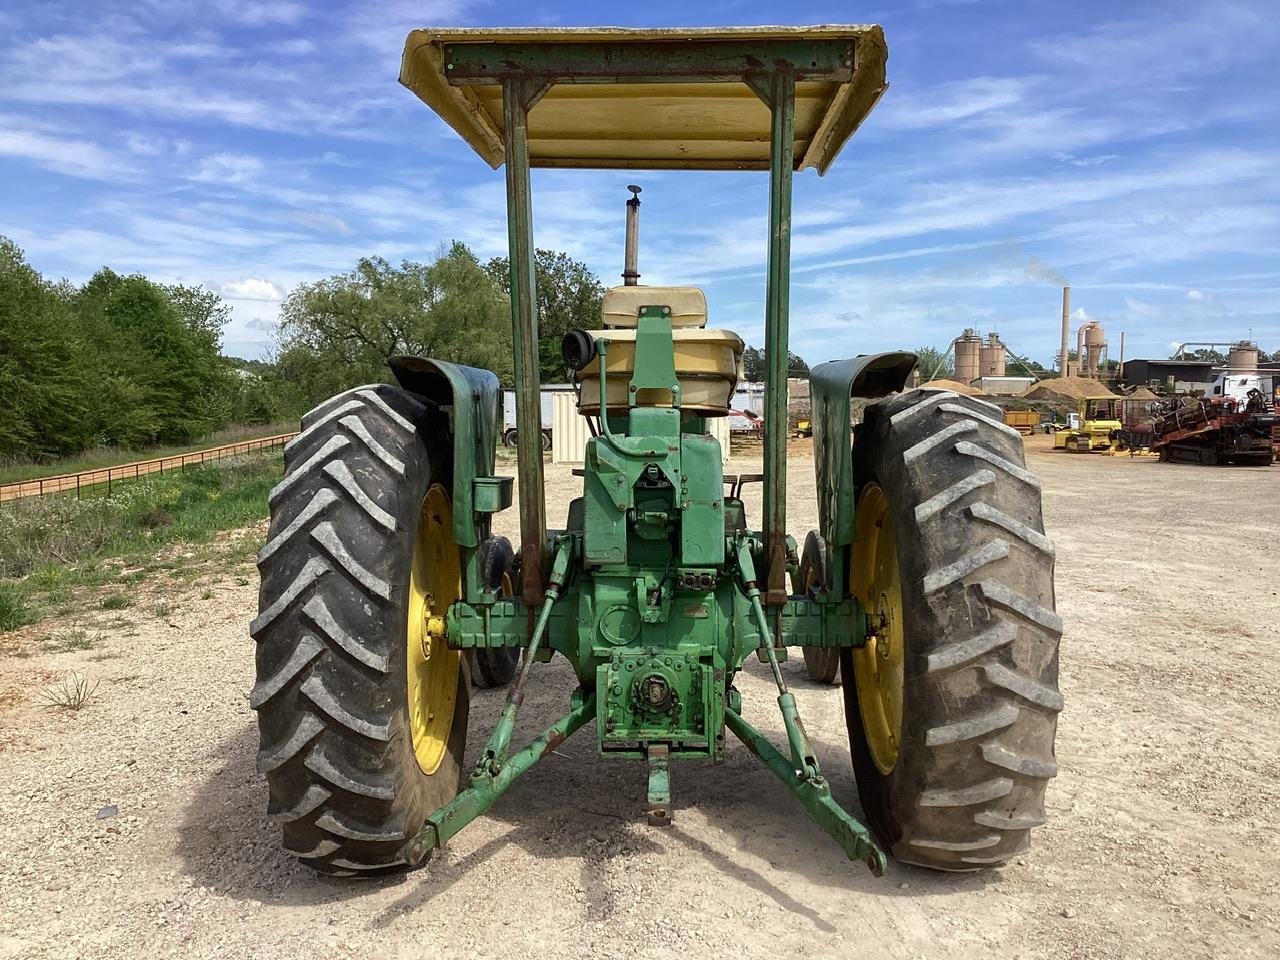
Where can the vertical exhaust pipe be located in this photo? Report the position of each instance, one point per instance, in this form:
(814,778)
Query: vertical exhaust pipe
(1064,367)
(630,264)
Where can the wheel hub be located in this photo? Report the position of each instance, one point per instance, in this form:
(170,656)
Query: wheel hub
(435,582)
(878,664)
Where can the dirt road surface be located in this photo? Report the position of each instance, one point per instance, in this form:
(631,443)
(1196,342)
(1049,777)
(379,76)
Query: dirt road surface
(1162,839)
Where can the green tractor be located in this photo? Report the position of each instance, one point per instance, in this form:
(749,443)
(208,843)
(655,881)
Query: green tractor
(928,587)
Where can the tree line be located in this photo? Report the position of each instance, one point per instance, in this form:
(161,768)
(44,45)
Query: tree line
(117,361)
(125,361)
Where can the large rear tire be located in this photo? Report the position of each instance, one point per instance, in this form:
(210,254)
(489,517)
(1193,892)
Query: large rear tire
(358,554)
(952,562)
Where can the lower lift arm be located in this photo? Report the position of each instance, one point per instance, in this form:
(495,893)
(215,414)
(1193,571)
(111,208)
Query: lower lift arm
(496,770)
(801,774)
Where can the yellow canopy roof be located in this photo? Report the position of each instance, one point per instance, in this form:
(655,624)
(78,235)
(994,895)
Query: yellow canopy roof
(660,121)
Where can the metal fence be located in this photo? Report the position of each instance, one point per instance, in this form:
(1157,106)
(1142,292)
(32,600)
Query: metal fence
(87,480)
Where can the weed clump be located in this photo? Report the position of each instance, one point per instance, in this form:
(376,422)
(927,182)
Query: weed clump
(71,694)
(15,611)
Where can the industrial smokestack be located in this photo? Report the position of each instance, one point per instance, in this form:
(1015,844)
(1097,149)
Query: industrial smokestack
(1064,367)
(630,264)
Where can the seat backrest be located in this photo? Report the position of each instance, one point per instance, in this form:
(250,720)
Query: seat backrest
(621,306)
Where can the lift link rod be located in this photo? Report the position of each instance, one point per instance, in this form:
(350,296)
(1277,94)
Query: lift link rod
(803,758)
(495,751)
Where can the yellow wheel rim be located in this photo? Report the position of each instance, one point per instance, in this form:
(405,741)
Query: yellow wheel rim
(435,581)
(877,666)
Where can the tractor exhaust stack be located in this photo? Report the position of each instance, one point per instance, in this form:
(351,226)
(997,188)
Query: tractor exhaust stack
(630,265)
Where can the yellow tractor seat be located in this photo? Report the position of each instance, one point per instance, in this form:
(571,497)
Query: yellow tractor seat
(707,364)
(621,306)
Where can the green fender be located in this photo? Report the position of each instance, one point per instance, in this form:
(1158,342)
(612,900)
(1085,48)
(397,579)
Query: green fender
(831,386)
(475,398)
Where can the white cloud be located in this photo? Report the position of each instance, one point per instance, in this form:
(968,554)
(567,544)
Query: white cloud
(948,103)
(251,288)
(76,158)
(1195,295)
(321,222)
(383,24)
(1157,50)
(257,13)
(1085,161)
(156,146)
(294,47)
(1143,309)
(231,168)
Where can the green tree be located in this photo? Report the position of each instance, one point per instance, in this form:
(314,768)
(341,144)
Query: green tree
(569,297)
(120,360)
(47,392)
(1209,354)
(753,365)
(341,331)
(201,310)
(934,364)
(163,377)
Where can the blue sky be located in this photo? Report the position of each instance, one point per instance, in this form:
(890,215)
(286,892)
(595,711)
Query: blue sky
(250,145)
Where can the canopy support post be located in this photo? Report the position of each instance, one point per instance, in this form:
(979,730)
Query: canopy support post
(778,91)
(518,98)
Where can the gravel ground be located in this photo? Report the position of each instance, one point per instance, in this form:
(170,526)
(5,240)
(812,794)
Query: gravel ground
(1162,838)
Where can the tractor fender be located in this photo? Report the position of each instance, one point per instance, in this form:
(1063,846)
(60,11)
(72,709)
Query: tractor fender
(474,397)
(831,386)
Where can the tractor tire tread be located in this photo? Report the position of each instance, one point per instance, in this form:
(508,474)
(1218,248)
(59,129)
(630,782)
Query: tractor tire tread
(343,781)
(981,671)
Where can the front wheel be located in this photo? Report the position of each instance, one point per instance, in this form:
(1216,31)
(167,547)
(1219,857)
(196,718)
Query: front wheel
(952,703)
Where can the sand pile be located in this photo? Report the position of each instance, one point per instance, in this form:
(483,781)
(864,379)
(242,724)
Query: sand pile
(1142,393)
(953,385)
(1068,388)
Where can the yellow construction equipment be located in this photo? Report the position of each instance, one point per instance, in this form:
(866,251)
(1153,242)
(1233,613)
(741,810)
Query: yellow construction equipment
(1091,429)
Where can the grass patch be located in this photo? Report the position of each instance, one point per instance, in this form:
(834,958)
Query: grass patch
(206,594)
(71,694)
(15,611)
(49,546)
(69,640)
(58,539)
(245,549)
(114,456)
(163,610)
